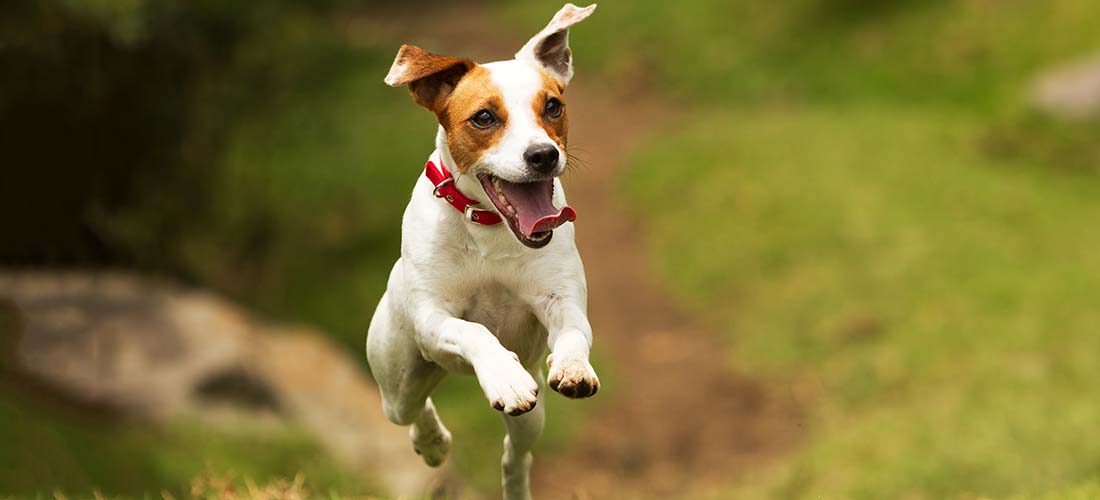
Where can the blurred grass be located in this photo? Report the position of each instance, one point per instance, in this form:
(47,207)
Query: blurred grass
(967,54)
(1083,491)
(864,201)
(942,303)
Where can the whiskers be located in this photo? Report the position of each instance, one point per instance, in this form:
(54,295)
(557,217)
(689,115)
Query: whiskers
(575,160)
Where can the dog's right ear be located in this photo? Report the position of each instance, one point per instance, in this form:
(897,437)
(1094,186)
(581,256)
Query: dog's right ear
(430,77)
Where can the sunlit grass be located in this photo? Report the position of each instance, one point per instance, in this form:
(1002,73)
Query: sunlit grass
(939,301)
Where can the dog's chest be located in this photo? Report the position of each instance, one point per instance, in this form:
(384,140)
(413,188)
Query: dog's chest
(507,315)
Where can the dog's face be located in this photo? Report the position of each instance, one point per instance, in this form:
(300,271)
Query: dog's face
(505,122)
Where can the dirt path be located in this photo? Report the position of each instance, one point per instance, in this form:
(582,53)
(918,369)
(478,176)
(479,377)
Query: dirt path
(680,416)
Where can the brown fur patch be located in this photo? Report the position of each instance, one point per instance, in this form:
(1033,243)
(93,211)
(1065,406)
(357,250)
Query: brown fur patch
(474,92)
(430,77)
(556,128)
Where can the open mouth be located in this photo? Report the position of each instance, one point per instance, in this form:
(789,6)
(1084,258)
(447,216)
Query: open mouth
(528,208)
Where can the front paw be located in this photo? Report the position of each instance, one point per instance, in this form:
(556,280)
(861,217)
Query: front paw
(572,377)
(508,387)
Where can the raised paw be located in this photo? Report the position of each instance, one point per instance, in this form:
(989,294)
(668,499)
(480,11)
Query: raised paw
(508,387)
(432,447)
(572,377)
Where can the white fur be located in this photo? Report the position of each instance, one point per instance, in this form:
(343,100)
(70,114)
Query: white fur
(467,298)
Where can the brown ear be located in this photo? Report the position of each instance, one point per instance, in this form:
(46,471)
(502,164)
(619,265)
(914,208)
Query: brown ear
(430,77)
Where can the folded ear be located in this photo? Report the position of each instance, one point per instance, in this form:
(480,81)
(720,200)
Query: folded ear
(430,77)
(550,47)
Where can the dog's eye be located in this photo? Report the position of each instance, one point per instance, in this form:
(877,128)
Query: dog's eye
(553,107)
(483,119)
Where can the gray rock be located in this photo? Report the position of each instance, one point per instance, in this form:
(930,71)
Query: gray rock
(1070,91)
(158,351)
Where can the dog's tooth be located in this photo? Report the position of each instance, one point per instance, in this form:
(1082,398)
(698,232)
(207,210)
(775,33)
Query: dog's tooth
(511,209)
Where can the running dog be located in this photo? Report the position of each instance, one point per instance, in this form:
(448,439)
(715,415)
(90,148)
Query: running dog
(489,273)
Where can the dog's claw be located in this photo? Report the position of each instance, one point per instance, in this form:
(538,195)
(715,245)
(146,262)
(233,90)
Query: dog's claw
(517,412)
(508,386)
(573,378)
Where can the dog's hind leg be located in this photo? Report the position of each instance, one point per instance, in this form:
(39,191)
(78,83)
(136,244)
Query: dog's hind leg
(523,431)
(430,438)
(405,380)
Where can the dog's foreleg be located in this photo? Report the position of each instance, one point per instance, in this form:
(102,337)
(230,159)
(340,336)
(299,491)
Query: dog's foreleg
(523,431)
(445,340)
(570,341)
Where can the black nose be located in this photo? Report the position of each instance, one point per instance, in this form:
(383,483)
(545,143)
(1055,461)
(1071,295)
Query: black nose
(542,158)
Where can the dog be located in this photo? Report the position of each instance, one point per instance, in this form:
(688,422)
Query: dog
(489,276)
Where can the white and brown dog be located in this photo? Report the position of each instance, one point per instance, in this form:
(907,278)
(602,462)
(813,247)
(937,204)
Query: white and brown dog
(489,273)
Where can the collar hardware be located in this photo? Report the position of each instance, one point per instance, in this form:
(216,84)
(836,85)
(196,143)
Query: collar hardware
(444,187)
(446,181)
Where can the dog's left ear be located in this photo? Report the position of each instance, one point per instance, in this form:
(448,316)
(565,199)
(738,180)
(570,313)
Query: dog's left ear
(550,47)
(430,77)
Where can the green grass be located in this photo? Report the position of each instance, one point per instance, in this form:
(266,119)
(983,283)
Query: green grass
(1083,491)
(942,301)
(871,213)
(51,445)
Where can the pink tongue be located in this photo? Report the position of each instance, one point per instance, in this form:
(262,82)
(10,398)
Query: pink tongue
(535,210)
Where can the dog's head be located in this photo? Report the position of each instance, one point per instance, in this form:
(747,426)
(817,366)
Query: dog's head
(505,122)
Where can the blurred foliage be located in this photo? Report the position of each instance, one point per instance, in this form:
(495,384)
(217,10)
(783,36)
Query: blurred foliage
(967,54)
(244,146)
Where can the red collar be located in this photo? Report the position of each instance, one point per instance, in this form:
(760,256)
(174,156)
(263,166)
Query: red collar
(445,188)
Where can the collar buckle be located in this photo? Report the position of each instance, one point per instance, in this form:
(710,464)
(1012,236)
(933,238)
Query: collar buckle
(442,183)
(471,213)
